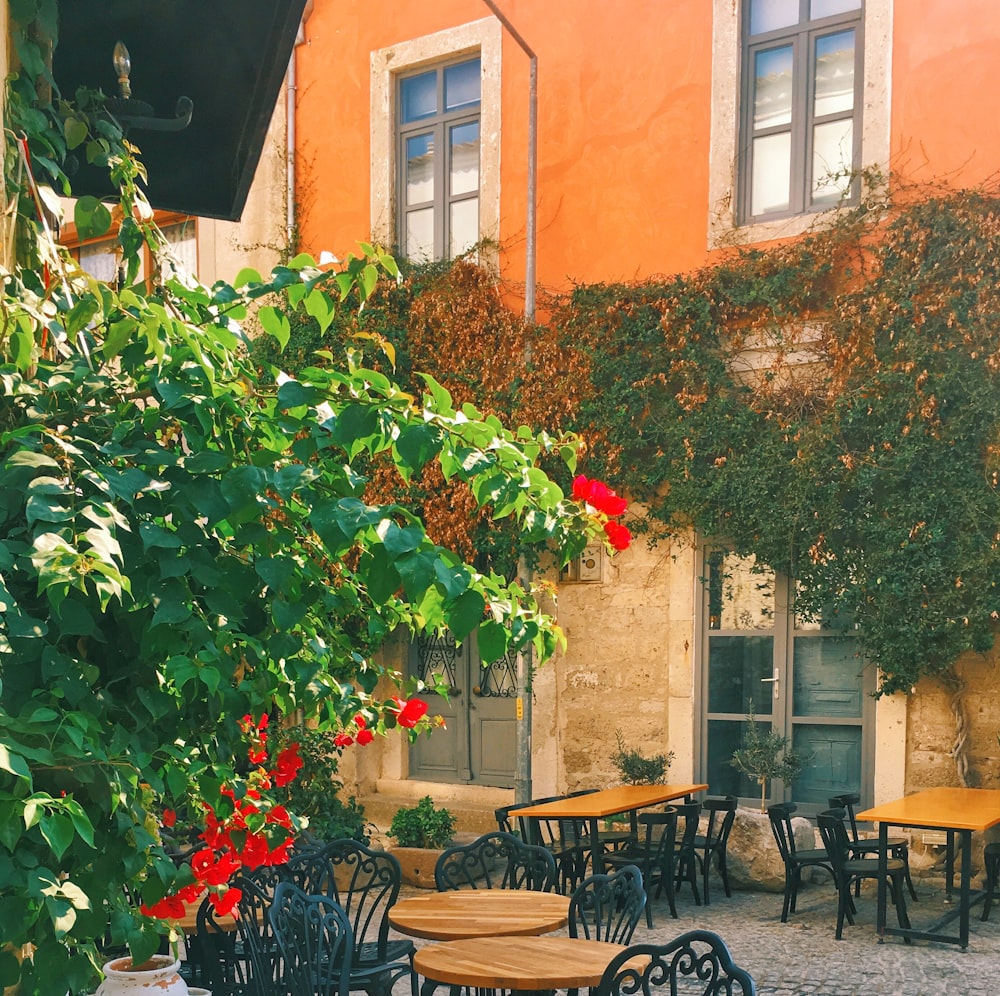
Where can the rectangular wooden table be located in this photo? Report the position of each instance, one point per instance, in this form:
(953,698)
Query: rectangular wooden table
(959,811)
(608,802)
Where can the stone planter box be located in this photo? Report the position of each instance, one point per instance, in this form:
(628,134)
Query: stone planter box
(417,864)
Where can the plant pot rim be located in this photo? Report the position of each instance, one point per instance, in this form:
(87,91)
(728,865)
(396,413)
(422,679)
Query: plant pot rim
(123,967)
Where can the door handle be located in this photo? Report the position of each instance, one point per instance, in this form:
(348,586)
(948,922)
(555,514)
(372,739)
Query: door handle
(477,690)
(774,681)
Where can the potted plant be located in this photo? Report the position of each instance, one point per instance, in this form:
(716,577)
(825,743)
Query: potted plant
(421,832)
(765,755)
(637,769)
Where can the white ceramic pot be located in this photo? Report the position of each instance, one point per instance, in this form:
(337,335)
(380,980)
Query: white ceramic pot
(157,977)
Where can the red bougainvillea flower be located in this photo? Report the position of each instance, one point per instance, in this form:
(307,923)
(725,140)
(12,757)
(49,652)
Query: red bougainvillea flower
(365,737)
(279,815)
(361,721)
(226,902)
(255,851)
(343,740)
(598,495)
(618,535)
(289,763)
(168,908)
(410,712)
(169,818)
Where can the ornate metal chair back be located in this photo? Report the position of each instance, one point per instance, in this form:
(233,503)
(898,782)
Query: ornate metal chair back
(697,962)
(315,940)
(496,861)
(608,907)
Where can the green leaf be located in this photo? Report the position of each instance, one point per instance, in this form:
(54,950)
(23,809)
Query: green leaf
(492,639)
(416,445)
(398,540)
(92,218)
(57,830)
(465,613)
(321,308)
(248,275)
(275,323)
(76,132)
(14,763)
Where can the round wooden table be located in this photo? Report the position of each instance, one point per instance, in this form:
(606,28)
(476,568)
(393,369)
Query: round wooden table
(517,962)
(448,916)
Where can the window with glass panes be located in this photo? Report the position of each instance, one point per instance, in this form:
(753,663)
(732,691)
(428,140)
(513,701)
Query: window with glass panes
(438,156)
(803,678)
(800,129)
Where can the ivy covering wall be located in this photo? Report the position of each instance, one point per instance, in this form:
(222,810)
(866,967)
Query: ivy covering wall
(829,406)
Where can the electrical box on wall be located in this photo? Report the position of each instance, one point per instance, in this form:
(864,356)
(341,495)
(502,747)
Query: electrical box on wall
(587,567)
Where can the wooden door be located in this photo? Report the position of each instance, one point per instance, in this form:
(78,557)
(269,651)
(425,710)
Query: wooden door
(477,745)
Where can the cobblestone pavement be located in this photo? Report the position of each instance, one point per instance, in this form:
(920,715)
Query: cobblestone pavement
(802,957)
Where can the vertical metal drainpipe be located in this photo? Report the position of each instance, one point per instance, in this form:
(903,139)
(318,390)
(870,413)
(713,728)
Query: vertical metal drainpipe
(522,774)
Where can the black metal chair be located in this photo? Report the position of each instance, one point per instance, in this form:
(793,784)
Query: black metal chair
(848,870)
(655,855)
(795,859)
(567,839)
(686,863)
(502,816)
(991,865)
(496,860)
(697,962)
(213,961)
(315,940)
(861,846)
(608,907)
(260,961)
(713,842)
(365,883)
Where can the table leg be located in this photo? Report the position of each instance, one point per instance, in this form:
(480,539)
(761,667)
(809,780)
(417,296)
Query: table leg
(883,874)
(596,854)
(949,866)
(966,882)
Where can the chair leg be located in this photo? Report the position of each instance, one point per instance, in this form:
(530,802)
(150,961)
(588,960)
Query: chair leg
(902,852)
(899,899)
(992,868)
(843,897)
(786,906)
(724,874)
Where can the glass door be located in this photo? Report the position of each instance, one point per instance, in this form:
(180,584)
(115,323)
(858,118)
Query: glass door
(803,680)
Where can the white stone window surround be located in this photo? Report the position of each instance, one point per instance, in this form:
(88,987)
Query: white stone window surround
(483,37)
(875,121)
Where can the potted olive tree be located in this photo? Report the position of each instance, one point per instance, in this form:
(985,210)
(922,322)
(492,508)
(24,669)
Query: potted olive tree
(421,832)
(766,755)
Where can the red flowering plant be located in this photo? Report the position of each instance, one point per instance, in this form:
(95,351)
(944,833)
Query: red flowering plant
(605,505)
(243,829)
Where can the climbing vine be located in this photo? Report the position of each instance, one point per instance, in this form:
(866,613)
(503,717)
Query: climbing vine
(829,405)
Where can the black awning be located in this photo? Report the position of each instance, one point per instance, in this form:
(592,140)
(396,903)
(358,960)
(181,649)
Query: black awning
(228,56)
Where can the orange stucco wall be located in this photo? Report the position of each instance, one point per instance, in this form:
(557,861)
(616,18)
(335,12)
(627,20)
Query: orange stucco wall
(624,116)
(946,90)
(623,122)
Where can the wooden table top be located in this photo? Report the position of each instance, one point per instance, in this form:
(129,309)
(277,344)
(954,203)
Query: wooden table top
(449,916)
(517,962)
(607,802)
(188,924)
(944,808)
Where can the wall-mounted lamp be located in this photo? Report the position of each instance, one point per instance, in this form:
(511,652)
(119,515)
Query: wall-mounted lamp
(132,113)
